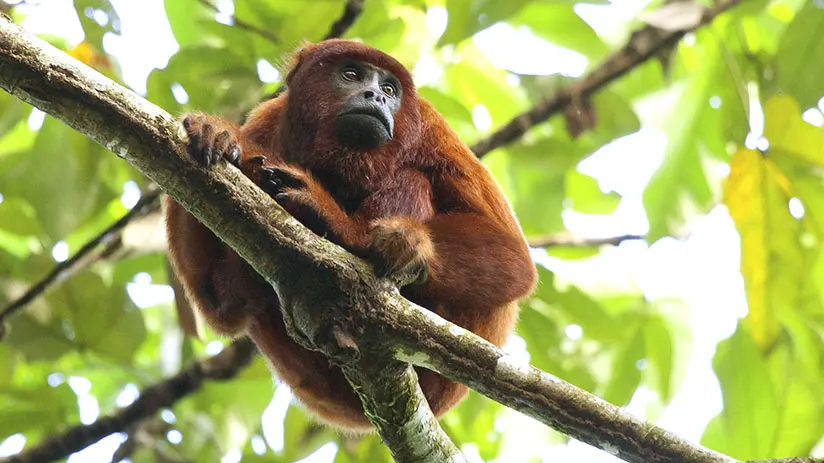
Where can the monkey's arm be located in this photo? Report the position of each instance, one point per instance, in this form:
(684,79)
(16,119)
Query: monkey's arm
(216,279)
(480,264)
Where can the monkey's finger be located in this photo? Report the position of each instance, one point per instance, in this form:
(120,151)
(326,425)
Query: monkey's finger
(234,155)
(259,159)
(223,141)
(288,178)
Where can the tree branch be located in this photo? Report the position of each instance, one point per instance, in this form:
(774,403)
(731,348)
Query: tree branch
(643,45)
(331,301)
(220,367)
(566,239)
(351,12)
(147,203)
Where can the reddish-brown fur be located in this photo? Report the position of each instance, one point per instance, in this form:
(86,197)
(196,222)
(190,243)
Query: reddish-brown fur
(422,198)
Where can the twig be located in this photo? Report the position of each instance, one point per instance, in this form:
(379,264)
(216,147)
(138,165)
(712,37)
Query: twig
(243,24)
(643,45)
(574,241)
(147,203)
(351,12)
(220,367)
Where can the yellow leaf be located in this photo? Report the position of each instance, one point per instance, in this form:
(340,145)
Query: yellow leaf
(89,55)
(757,196)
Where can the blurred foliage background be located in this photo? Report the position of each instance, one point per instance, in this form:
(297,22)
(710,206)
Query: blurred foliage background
(678,235)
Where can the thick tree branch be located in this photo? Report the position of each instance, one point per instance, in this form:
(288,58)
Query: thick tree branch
(221,367)
(331,301)
(643,45)
(83,257)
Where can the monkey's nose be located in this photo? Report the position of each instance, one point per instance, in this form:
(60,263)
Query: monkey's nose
(371,94)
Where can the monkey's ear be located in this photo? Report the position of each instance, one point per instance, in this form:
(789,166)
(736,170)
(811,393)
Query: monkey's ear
(297,58)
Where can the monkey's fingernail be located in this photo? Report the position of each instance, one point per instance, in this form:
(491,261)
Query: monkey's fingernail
(281,196)
(187,122)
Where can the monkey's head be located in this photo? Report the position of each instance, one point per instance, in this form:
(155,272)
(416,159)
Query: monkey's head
(350,97)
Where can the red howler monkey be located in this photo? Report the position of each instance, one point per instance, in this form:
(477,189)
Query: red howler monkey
(355,155)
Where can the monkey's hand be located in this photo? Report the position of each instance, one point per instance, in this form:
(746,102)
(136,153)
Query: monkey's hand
(300,195)
(211,139)
(400,248)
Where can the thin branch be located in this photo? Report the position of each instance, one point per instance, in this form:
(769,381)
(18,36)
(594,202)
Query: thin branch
(221,367)
(574,241)
(790,460)
(643,45)
(243,24)
(148,202)
(351,12)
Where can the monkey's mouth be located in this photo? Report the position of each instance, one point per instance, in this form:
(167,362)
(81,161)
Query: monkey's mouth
(364,127)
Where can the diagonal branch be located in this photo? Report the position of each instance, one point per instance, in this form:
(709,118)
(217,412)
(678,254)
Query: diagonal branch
(351,12)
(643,45)
(221,367)
(84,257)
(564,239)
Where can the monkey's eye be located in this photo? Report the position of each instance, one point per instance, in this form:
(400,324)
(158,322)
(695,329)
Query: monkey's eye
(389,89)
(350,74)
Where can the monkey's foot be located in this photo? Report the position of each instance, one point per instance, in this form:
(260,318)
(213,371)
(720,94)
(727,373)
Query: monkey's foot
(400,248)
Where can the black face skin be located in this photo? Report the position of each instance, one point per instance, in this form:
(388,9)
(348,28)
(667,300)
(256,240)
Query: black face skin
(371,96)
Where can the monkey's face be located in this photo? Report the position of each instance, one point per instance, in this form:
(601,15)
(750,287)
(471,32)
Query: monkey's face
(369,97)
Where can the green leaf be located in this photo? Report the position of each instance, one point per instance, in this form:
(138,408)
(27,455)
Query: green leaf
(36,340)
(59,178)
(368,448)
(694,129)
(18,217)
(660,355)
(466,17)
(584,195)
(474,81)
(185,18)
(40,410)
(626,374)
(788,134)
(102,317)
(799,57)
(559,24)
(94,31)
(535,176)
(746,428)
(301,435)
